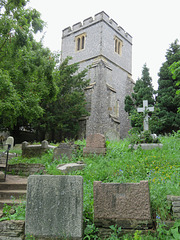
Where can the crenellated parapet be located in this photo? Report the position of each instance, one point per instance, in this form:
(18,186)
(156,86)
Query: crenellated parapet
(102,16)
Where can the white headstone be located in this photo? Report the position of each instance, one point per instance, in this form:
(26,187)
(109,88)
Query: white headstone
(10,141)
(144,109)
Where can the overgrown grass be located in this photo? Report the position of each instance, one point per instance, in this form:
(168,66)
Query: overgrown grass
(161,167)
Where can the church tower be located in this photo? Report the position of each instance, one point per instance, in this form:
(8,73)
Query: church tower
(106,48)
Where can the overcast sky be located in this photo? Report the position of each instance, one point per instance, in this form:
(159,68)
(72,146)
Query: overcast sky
(153,24)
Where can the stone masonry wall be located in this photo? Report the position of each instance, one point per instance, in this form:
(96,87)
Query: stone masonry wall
(12,230)
(100,33)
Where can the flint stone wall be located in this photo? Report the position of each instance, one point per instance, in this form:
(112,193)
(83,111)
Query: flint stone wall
(54,207)
(124,204)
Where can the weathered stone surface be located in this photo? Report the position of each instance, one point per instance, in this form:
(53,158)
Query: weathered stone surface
(12,230)
(4,157)
(174,201)
(95,144)
(2,176)
(173,198)
(95,141)
(176,204)
(69,167)
(177,215)
(124,204)
(147,146)
(26,169)
(94,151)
(54,207)
(176,209)
(65,149)
(35,150)
(10,141)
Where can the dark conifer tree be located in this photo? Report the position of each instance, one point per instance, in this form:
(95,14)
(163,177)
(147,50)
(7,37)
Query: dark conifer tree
(168,101)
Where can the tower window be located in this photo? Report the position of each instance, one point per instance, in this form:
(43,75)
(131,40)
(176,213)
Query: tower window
(118,46)
(80,42)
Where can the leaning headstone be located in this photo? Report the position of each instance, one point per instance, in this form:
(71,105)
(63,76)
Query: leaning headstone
(54,207)
(126,205)
(95,144)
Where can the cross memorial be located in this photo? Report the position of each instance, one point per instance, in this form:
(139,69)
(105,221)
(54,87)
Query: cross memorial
(144,109)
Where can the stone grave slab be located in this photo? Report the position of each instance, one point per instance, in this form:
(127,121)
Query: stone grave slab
(69,167)
(146,146)
(35,150)
(65,149)
(54,207)
(126,205)
(95,144)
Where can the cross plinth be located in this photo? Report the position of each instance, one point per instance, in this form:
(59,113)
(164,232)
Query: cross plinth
(144,109)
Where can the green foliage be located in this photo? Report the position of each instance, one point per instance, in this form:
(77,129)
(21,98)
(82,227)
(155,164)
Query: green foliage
(137,137)
(120,165)
(168,101)
(25,67)
(61,116)
(175,70)
(115,233)
(14,212)
(90,231)
(143,90)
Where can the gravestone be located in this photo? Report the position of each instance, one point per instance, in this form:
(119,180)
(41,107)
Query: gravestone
(65,149)
(126,205)
(69,167)
(10,141)
(144,109)
(54,207)
(95,144)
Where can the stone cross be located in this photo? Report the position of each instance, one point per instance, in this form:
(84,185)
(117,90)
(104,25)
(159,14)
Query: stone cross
(143,109)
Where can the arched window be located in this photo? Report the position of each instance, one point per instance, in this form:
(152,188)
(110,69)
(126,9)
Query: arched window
(80,42)
(118,45)
(119,48)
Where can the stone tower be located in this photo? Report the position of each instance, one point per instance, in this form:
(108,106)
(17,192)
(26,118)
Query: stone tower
(107,49)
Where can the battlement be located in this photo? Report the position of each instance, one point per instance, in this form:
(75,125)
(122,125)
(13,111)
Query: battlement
(102,16)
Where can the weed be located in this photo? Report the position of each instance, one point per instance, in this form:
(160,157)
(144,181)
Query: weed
(115,234)
(14,212)
(90,231)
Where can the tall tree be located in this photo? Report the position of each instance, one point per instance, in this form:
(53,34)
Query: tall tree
(168,101)
(25,66)
(143,90)
(61,116)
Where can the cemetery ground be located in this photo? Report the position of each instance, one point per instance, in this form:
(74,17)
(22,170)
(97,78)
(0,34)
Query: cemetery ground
(161,167)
